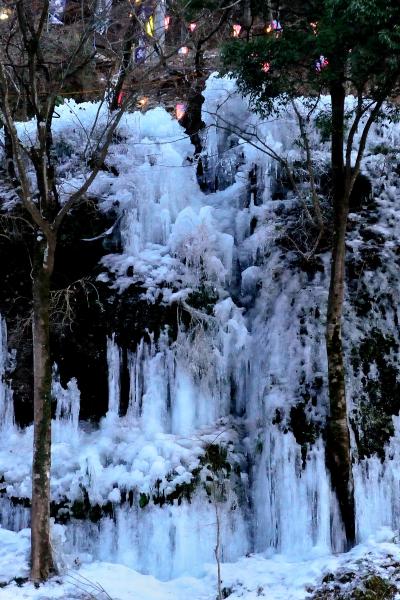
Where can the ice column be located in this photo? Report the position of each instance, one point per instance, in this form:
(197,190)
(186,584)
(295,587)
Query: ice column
(6,399)
(66,425)
(114,384)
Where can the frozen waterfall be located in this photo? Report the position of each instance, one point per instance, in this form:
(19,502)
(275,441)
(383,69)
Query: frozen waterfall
(218,401)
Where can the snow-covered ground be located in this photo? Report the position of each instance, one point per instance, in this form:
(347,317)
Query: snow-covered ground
(255,576)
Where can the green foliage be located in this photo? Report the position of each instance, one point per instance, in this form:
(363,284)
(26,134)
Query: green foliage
(382,149)
(323,123)
(203,298)
(360,38)
(349,585)
(216,458)
(144,499)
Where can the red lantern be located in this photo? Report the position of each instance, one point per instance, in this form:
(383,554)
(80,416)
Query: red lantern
(121,97)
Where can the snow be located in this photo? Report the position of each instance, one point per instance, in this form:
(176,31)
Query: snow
(251,577)
(231,379)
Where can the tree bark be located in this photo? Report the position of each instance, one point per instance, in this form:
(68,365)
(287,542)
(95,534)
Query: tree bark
(42,563)
(126,59)
(8,151)
(338,451)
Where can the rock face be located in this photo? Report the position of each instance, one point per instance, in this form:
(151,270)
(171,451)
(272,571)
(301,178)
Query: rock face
(188,340)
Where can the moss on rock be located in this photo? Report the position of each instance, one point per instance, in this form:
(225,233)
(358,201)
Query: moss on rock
(373,362)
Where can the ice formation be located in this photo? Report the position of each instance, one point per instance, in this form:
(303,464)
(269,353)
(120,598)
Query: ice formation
(231,380)
(6,401)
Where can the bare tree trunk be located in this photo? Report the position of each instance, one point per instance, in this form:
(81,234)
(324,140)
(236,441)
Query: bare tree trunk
(217,552)
(8,151)
(42,564)
(124,68)
(338,452)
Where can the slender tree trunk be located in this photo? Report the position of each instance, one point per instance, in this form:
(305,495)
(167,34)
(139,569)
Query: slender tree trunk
(338,453)
(42,564)
(126,59)
(8,151)
(217,551)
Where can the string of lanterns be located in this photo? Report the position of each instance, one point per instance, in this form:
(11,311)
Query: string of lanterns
(146,16)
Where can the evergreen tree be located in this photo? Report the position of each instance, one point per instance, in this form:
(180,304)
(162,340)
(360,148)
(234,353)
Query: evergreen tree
(336,47)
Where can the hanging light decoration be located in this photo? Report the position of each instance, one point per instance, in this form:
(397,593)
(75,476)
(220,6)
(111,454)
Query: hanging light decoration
(274,27)
(142,102)
(236,29)
(167,21)
(321,63)
(5,13)
(149,26)
(121,97)
(180,111)
(192,26)
(140,54)
(183,51)
(265,67)
(314,26)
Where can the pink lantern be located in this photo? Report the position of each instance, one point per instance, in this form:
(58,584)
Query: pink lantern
(265,67)
(167,21)
(192,26)
(236,29)
(180,110)
(184,51)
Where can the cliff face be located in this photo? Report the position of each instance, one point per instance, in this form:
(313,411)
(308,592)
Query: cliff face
(190,376)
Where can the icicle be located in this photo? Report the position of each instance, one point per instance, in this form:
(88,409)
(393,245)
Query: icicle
(114,367)
(6,396)
(66,425)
